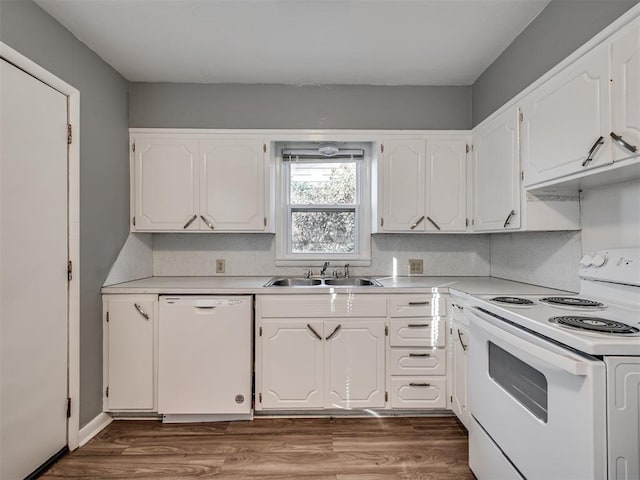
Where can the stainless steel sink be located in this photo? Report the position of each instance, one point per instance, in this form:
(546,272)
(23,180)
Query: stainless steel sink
(293,282)
(352,282)
(319,282)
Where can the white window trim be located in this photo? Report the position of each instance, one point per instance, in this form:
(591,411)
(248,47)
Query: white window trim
(363,220)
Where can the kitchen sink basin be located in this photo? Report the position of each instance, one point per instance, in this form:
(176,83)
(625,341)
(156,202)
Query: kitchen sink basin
(352,282)
(322,282)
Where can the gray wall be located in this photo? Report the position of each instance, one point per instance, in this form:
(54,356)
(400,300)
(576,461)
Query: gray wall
(104,167)
(287,106)
(562,27)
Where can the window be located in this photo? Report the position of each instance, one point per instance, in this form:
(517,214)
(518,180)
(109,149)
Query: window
(324,205)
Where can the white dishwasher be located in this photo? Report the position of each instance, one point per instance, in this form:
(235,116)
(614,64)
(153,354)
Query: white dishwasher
(205,358)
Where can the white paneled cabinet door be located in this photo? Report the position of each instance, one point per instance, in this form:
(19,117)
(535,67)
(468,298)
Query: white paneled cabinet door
(446,186)
(354,364)
(166,184)
(292,352)
(496,182)
(565,120)
(403,186)
(232,185)
(130,352)
(625,91)
(459,340)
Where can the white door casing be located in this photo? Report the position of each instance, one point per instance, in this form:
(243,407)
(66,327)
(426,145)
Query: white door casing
(34,334)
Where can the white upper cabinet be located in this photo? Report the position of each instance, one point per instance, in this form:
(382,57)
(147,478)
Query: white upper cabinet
(625,91)
(422,185)
(186,182)
(446,185)
(232,185)
(164,185)
(402,186)
(565,120)
(496,171)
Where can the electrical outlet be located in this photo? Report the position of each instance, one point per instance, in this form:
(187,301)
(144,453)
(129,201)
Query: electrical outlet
(219,265)
(415,266)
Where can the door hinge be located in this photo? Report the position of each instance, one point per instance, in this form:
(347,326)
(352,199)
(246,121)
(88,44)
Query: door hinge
(382,148)
(386,331)
(69,270)
(466,222)
(264,147)
(386,396)
(134,221)
(68,408)
(467,148)
(260,332)
(260,397)
(107,392)
(133,146)
(522,175)
(69,134)
(473,221)
(520,116)
(382,221)
(451,399)
(265,221)
(450,331)
(107,317)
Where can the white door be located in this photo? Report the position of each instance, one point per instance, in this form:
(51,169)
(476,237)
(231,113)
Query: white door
(446,186)
(403,186)
(33,272)
(166,184)
(292,352)
(564,118)
(232,185)
(496,172)
(130,359)
(625,90)
(354,364)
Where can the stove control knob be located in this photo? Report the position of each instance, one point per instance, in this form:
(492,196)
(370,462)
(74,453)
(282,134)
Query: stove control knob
(586,261)
(599,260)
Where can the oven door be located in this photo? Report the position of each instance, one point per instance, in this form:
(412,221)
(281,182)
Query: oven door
(542,404)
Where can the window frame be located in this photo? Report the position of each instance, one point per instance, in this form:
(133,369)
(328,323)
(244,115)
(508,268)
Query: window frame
(362,209)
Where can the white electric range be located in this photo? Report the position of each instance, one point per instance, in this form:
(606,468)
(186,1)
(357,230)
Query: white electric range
(554,382)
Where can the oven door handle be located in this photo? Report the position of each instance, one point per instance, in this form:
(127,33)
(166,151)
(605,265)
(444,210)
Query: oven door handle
(569,365)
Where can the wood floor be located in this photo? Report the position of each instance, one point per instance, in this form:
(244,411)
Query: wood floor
(432,448)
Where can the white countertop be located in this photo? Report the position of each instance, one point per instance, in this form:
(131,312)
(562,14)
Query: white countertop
(255,285)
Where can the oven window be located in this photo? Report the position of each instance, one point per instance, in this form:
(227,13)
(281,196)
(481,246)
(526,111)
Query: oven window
(523,382)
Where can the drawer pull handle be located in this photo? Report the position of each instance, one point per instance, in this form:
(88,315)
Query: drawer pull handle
(508,219)
(418,325)
(335,331)
(141,311)
(433,223)
(592,151)
(314,332)
(417,222)
(412,384)
(418,304)
(618,139)
(207,222)
(457,306)
(190,221)
(419,355)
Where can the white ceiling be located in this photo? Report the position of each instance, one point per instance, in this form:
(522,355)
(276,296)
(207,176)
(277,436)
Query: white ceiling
(300,42)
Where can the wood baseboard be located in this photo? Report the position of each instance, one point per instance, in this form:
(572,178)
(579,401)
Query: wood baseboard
(94,427)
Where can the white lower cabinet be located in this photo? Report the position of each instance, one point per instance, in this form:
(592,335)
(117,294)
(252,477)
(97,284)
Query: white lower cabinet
(418,392)
(459,342)
(130,328)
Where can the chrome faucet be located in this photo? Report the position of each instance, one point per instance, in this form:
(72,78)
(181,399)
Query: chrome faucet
(325,265)
(346,270)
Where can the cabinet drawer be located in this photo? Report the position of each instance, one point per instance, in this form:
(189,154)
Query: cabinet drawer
(414,361)
(417,305)
(322,305)
(417,332)
(418,392)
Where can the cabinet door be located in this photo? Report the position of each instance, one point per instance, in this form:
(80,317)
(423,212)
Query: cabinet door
(292,364)
(403,186)
(232,185)
(354,364)
(446,186)
(625,89)
(130,353)
(496,172)
(165,184)
(460,343)
(564,118)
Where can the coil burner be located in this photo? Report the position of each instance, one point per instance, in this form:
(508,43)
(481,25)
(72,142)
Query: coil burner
(595,324)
